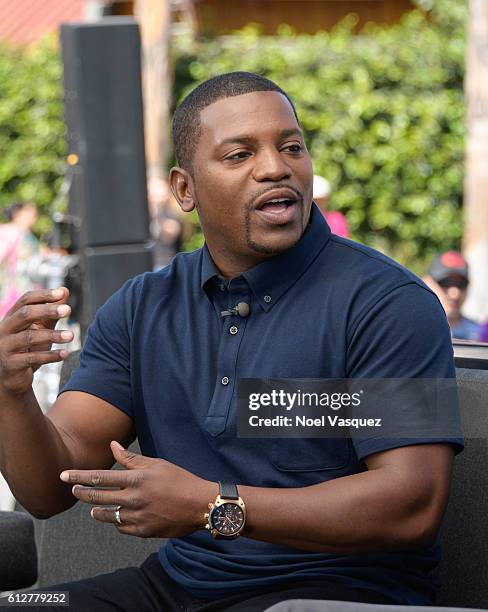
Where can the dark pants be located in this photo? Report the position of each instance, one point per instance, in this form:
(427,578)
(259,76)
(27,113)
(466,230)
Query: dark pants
(149,589)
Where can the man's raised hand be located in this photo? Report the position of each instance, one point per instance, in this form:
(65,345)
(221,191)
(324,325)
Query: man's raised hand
(26,336)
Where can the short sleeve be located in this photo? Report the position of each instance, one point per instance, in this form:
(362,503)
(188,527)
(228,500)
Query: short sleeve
(105,361)
(404,334)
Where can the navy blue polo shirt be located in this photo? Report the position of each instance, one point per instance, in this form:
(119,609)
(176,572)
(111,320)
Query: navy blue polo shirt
(326,308)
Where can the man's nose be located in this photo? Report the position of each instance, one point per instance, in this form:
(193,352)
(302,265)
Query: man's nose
(270,166)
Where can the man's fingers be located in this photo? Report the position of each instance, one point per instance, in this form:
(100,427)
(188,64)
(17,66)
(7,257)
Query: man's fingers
(127,458)
(101,497)
(130,524)
(107,515)
(31,338)
(100,478)
(131,529)
(23,317)
(33,360)
(40,296)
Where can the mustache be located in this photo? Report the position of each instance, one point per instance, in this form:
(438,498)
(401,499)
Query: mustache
(252,200)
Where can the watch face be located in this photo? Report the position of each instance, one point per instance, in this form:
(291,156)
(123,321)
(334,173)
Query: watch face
(227,519)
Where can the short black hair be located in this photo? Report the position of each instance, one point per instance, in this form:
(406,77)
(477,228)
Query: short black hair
(186,120)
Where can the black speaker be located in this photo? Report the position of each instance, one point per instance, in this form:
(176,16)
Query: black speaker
(104,116)
(104,270)
(108,194)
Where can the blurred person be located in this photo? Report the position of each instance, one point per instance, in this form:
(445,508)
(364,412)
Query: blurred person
(448,277)
(335,219)
(18,246)
(167,226)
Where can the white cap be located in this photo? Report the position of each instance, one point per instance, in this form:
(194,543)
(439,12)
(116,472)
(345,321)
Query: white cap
(321,187)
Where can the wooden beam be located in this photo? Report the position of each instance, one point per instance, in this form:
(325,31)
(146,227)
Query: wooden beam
(154,17)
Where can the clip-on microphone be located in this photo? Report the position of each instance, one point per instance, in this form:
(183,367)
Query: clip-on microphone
(242,310)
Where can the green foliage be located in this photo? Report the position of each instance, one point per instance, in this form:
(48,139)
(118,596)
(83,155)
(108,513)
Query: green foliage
(383,115)
(31,127)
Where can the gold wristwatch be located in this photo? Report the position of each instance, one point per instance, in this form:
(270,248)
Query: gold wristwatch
(227,514)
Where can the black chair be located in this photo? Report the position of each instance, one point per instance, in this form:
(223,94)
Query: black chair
(18,551)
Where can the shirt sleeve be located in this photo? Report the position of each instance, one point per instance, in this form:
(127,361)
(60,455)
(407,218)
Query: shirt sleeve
(403,335)
(105,361)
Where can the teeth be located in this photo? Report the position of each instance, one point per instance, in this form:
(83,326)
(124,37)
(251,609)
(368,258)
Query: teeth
(277,201)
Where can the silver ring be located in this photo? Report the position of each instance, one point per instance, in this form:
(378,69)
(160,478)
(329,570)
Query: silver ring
(117,515)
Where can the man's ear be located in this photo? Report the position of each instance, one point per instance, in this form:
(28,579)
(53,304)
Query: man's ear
(182,187)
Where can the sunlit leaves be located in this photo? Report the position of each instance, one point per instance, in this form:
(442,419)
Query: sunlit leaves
(31,127)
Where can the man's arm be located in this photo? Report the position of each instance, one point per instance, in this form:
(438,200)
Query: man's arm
(397,504)
(35,448)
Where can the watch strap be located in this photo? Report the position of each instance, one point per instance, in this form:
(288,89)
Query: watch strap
(228,490)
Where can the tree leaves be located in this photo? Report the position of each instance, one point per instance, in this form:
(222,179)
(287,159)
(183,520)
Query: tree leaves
(31,127)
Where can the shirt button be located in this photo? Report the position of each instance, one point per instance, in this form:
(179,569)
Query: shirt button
(233,330)
(267,299)
(225,380)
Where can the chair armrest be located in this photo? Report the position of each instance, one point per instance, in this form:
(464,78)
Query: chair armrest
(315,605)
(18,552)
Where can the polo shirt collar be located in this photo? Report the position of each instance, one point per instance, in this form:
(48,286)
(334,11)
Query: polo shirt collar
(209,269)
(270,279)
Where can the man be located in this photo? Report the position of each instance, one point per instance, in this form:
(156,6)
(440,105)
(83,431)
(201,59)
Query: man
(272,294)
(448,277)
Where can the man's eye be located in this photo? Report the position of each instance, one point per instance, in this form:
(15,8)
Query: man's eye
(238,155)
(294,148)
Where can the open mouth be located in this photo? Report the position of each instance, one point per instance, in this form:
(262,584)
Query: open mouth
(277,199)
(279,206)
(276,205)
